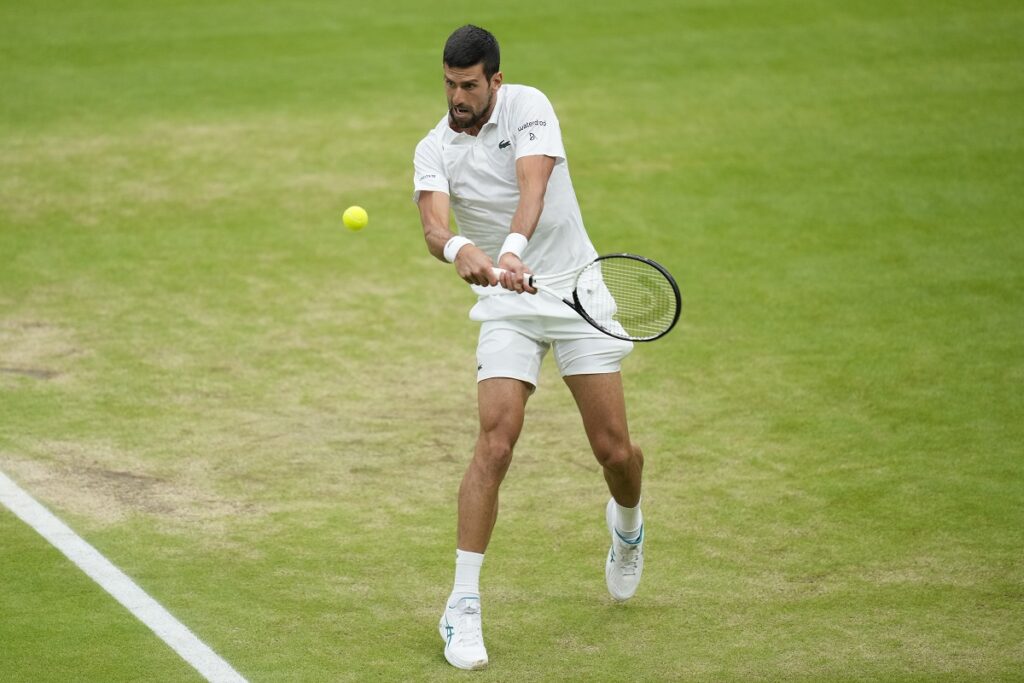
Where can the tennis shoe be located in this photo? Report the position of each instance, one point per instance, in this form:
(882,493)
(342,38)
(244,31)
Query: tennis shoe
(462,632)
(625,562)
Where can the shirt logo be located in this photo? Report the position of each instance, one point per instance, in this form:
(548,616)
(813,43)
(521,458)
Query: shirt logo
(531,124)
(504,143)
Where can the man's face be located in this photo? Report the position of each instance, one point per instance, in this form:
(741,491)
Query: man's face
(470,95)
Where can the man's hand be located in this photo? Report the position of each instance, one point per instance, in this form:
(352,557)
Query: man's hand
(515,275)
(474,266)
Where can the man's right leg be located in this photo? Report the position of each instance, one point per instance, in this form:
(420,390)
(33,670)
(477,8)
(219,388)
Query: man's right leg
(502,406)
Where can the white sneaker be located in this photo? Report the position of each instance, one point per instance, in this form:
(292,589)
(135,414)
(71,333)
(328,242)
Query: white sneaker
(625,560)
(462,632)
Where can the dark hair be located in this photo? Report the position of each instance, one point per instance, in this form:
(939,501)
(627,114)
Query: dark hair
(471,45)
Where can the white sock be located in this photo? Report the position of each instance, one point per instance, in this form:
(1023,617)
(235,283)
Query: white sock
(467,573)
(628,521)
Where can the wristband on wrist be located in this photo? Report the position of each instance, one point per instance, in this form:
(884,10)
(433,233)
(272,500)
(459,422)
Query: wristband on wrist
(452,246)
(514,244)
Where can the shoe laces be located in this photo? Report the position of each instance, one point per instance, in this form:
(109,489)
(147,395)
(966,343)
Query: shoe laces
(627,555)
(629,558)
(469,630)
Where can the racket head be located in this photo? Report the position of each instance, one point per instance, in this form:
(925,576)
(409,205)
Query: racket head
(628,297)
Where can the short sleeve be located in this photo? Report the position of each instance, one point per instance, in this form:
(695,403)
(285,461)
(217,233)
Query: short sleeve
(535,126)
(428,168)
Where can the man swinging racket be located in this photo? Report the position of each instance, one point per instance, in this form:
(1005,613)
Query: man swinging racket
(496,160)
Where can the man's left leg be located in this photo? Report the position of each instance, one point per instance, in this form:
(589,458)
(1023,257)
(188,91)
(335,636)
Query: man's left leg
(602,406)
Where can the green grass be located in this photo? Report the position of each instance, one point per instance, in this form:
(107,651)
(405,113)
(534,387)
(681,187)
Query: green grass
(263,418)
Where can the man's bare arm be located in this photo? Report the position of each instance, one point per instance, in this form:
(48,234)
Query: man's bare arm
(532,174)
(472,264)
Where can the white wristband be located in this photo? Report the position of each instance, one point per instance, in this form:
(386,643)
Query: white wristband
(452,246)
(514,244)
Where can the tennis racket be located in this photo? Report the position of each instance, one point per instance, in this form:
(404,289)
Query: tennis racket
(623,295)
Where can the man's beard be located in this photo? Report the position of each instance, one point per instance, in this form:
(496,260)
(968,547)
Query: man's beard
(473,120)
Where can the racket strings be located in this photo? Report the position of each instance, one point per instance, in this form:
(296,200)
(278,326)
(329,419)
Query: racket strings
(628,297)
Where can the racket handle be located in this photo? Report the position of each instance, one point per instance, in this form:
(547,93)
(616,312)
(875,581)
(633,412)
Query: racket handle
(528,277)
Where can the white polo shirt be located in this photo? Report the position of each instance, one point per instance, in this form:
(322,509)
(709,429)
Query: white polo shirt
(478,173)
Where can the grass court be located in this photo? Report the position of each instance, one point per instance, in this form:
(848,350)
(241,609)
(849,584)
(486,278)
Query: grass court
(263,418)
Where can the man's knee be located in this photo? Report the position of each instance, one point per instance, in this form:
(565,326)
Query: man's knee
(494,453)
(614,455)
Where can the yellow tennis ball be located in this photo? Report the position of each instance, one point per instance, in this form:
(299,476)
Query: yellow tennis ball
(355,218)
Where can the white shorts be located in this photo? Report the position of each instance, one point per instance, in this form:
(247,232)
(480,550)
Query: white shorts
(515,347)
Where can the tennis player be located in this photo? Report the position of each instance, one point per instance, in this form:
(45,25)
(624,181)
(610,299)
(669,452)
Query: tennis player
(496,160)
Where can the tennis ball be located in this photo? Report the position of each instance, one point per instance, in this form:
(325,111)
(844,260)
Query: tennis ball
(355,218)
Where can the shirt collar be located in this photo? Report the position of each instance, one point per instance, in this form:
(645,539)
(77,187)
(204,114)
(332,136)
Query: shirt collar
(499,109)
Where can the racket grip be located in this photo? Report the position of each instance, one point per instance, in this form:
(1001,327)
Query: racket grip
(528,277)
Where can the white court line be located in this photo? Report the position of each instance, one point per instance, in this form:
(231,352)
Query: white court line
(114,581)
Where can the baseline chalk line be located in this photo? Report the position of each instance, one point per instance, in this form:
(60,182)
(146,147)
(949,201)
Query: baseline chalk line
(147,610)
